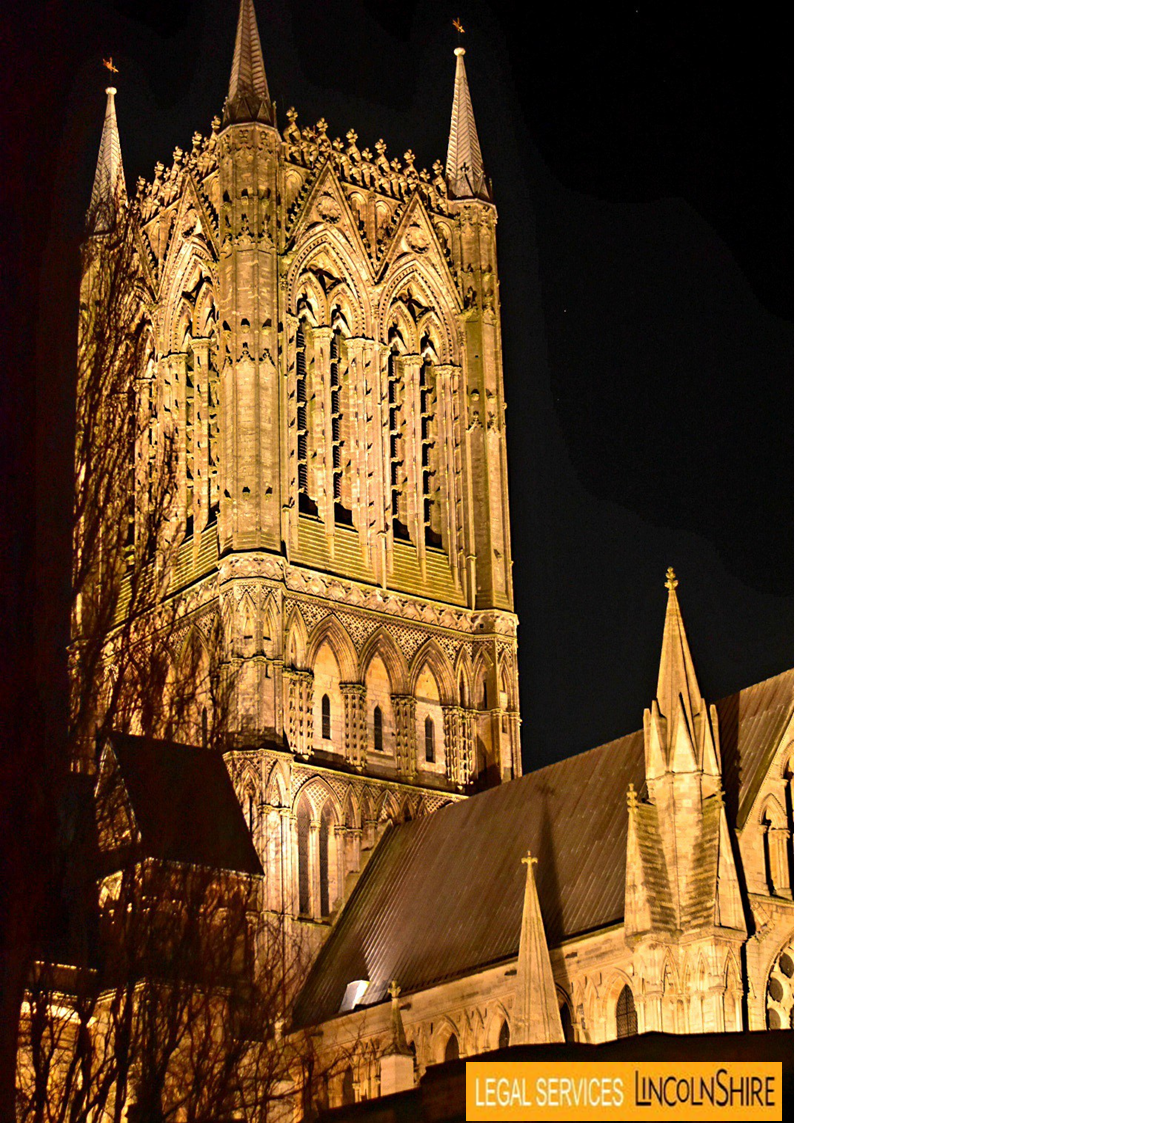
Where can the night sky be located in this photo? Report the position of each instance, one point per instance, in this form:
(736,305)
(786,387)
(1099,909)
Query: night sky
(642,168)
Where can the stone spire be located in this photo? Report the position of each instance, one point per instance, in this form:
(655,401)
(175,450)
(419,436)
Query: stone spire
(108,191)
(535,1011)
(465,170)
(248,98)
(680,729)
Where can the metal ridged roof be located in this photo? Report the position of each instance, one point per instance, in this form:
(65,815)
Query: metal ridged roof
(752,722)
(442,895)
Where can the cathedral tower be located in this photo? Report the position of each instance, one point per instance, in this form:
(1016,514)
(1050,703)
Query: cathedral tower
(328,361)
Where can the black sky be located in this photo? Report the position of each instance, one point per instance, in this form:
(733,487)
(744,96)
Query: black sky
(642,165)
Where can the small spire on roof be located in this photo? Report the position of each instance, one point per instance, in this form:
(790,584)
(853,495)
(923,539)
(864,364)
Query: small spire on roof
(680,735)
(535,1010)
(109,192)
(248,97)
(677,679)
(464,170)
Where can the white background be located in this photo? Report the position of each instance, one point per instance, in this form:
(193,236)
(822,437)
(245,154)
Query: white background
(974,494)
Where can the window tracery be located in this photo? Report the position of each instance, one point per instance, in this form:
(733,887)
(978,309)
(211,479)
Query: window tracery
(626,1024)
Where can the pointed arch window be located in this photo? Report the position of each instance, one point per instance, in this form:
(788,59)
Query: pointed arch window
(303,838)
(189,442)
(625,1014)
(378,730)
(791,832)
(396,423)
(451,1049)
(504,1038)
(326,718)
(307,504)
(429,739)
(130,484)
(212,432)
(429,458)
(334,380)
(327,820)
(566,1022)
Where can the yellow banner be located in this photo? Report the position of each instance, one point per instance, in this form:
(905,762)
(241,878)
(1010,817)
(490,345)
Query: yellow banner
(624,1091)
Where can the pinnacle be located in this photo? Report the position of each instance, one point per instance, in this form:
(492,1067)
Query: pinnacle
(676,685)
(108,190)
(465,168)
(248,97)
(536,1012)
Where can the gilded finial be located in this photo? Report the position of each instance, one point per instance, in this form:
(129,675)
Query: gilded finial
(110,66)
(394,990)
(670,581)
(528,860)
(459,31)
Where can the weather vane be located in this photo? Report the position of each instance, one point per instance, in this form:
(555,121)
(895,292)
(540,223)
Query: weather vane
(458,25)
(110,66)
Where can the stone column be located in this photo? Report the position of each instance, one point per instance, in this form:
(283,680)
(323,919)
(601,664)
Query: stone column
(355,697)
(779,879)
(314,871)
(283,872)
(468,768)
(299,723)
(404,713)
(455,753)
(292,901)
(650,1009)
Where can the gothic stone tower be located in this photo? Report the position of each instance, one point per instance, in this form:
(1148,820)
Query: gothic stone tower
(327,352)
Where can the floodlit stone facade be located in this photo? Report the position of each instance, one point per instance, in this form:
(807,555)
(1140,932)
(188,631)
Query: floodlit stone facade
(324,327)
(322,321)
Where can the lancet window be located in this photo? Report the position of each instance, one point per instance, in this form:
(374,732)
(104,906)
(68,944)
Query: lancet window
(429,458)
(337,417)
(189,440)
(327,820)
(130,484)
(303,838)
(396,433)
(212,434)
(429,739)
(302,413)
(625,1014)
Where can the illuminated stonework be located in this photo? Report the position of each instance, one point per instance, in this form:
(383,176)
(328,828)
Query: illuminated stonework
(324,320)
(325,345)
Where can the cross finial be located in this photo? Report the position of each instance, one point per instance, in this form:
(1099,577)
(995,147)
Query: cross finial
(631,795)
(670,581)
(394,990)
(528,860)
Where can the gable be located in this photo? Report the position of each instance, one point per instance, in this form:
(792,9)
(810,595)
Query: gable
(442,895)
